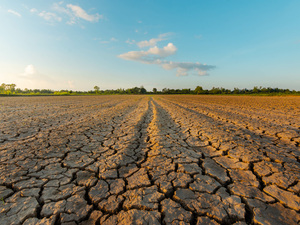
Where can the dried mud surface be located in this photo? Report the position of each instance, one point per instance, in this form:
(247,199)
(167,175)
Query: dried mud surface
(149,160)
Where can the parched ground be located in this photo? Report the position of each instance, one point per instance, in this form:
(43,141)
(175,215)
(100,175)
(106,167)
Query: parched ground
(149,160)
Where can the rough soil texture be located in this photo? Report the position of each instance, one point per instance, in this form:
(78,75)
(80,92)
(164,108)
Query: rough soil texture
(149,160)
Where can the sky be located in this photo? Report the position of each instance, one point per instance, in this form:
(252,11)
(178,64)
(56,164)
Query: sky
(77,45)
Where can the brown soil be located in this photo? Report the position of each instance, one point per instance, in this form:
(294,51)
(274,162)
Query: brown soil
(150,160)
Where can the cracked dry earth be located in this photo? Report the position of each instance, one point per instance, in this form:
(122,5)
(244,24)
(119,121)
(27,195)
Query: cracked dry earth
(149,160)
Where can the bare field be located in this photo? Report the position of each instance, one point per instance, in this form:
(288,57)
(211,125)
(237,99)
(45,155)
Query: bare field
(150,160)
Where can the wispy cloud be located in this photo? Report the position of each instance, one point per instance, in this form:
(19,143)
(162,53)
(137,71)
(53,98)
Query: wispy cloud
(72,13)
(131,42)
(112,39)
(14,13)
(151,55)
(184,68)
(157,56)
(49,16)
(153,41)
(80,13)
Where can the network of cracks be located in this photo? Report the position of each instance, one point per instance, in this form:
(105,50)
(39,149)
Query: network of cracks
(149,160)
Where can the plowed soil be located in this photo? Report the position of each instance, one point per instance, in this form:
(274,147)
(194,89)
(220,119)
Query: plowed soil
(149,160)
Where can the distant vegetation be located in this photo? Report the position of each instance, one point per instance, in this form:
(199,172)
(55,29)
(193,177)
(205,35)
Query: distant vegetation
(10,89)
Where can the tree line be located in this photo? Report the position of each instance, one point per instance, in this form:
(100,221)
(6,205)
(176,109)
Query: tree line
(10,89)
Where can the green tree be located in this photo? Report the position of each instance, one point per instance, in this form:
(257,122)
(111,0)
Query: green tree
(236,91)
(12,87)
(143,90)
(255,90)
(97,89)
(165,90)
(2,88)
(154,90)
(198,90)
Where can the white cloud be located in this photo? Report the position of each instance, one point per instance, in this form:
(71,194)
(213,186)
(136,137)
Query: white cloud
(183,68)
(156,56)
(131,42)
(14,13)
(150,55)
(49,16)
(170,49)
(29,70)
(112,39)
(72,13)
(153,41)
(60,9)
(80,13)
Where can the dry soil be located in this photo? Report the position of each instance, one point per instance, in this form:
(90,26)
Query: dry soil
(149,160)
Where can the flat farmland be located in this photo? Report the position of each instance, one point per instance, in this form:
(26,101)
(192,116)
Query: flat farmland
(150,160)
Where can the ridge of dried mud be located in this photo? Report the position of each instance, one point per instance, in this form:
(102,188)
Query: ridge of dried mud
(150,160)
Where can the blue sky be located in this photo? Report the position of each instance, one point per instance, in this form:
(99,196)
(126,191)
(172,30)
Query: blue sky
(176,44)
